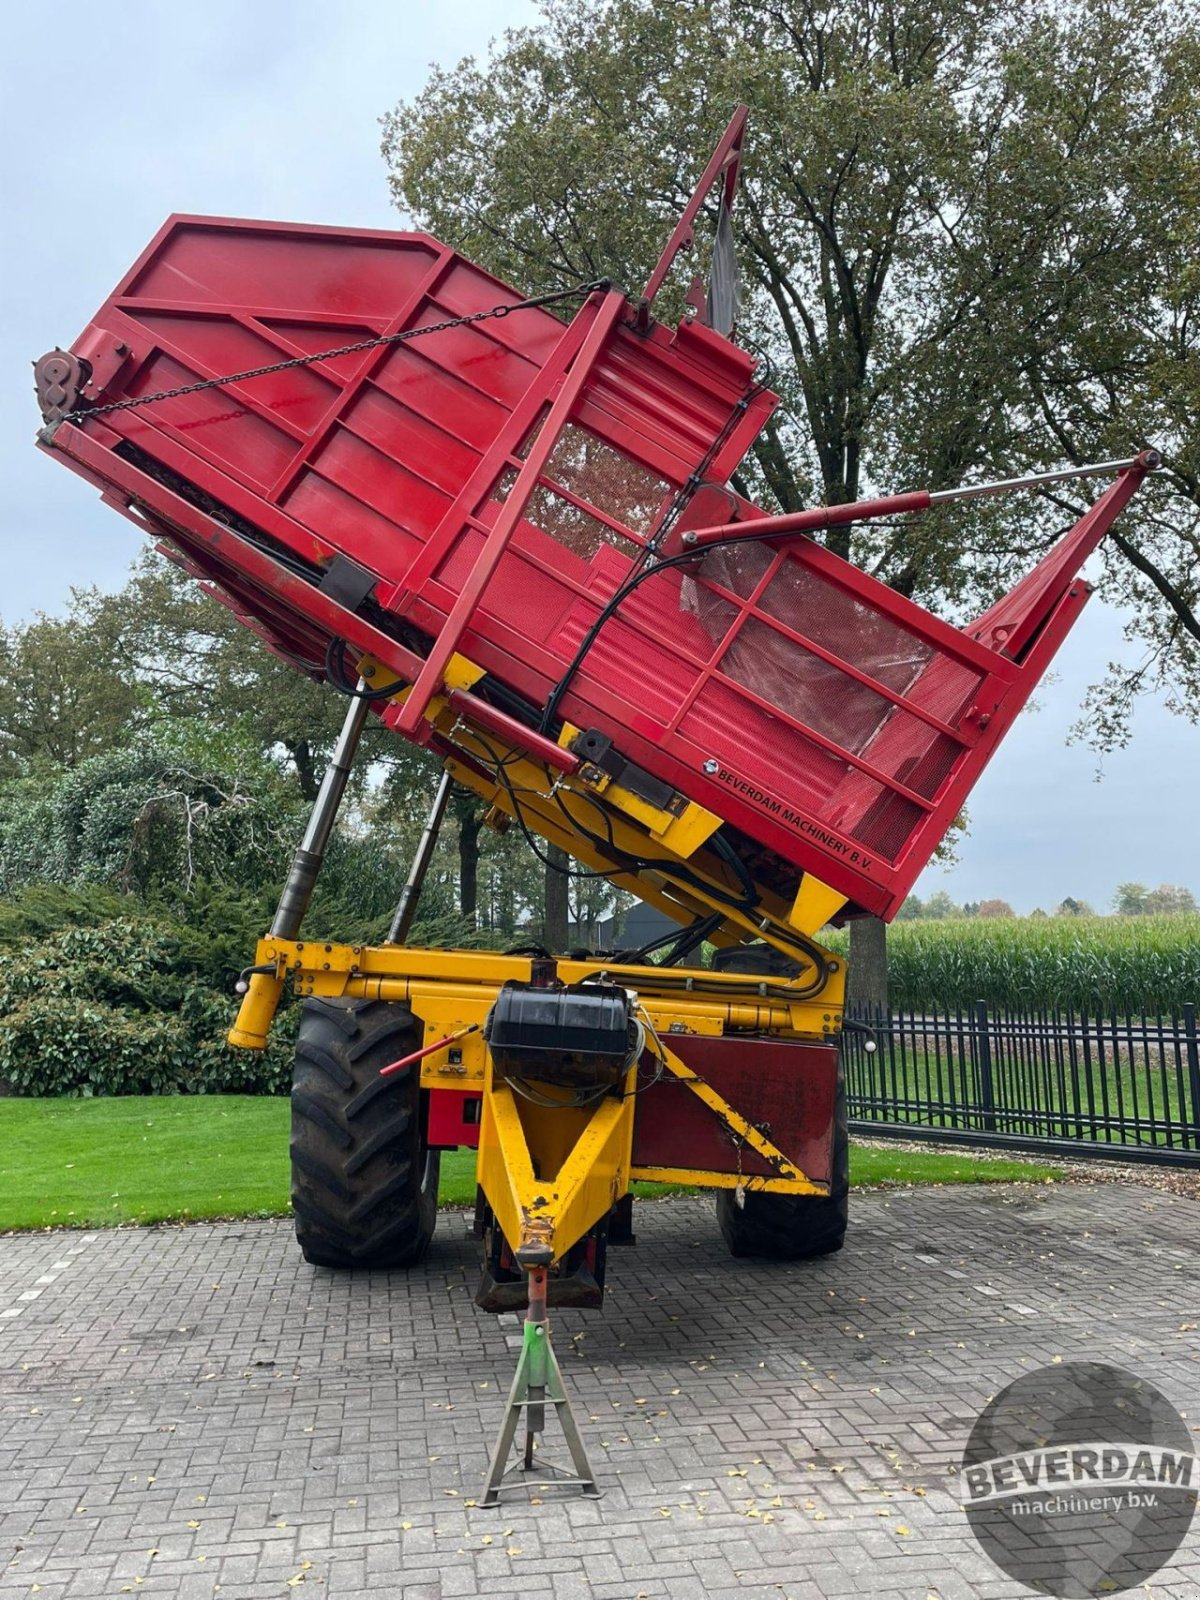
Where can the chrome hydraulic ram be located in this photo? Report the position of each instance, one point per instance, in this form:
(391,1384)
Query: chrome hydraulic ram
(818,517)
(306,863)
(406,907)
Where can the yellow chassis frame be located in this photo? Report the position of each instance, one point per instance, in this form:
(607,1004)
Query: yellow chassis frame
(551,1171)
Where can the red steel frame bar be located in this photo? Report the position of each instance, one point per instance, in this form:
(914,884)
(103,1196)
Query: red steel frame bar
(895,504)
(1148,460)
(726,158)
(1013,621)
(809,521)
(430,676)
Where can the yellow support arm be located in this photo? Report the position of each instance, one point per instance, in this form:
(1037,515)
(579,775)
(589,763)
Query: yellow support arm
(550,1174)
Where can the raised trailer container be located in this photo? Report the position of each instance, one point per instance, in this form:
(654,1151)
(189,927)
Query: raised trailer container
(510,533)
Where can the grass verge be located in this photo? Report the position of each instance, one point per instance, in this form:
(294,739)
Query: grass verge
(869,1168)
(97,1163)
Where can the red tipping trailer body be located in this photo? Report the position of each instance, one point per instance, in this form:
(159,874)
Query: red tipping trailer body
(490,486)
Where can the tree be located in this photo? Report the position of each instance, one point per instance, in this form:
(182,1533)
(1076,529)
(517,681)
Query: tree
(595,901)
(468,812)
(64,695)
(161,651)
(968,239)
(1130,899)
(940,906)
(912,909)
(1071,907)
(995,908)
(556,922)
(194,659)
(1169,899)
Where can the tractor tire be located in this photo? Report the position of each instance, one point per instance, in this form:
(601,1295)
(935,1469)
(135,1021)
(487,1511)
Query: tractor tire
(364,1184)
(793,1227)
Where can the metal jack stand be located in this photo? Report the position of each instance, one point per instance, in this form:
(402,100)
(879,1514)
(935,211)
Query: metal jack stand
(537,1383)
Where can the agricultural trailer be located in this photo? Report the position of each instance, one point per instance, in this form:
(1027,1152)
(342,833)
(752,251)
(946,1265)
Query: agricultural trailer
(506,528)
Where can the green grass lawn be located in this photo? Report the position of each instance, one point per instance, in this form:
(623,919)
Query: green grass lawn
(97,1163)
(145,1158)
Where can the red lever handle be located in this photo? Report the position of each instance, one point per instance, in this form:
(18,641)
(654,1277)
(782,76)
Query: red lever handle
(430,1049)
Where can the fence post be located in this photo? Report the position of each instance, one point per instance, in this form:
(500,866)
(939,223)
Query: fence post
(1193,1060)
(987,1088)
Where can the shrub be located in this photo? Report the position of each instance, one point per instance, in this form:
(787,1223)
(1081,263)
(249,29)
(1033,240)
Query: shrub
(144,822)
(120,1007)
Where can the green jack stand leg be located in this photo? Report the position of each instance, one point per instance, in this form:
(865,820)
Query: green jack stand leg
(537,1384)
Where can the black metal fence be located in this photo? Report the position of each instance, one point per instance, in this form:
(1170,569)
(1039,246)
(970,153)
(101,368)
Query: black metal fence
(1067,1083)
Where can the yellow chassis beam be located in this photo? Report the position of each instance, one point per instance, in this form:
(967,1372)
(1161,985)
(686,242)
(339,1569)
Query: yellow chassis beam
(550,1175)
(551,1171)
(603,824)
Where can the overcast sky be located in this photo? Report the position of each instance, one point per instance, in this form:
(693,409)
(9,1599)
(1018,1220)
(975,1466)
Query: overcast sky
(112,117)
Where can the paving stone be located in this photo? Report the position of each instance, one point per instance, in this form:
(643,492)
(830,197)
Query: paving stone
(171,1376)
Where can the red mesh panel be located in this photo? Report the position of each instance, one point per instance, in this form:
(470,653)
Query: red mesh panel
(855,632)
(593,470)
(888,824)
(738,567)
(831,703)
(817,694)
(714,614)
(925,772)
(569,525)
(835,620)
(946,689)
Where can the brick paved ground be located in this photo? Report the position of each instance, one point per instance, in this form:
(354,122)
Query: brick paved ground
(193,1411)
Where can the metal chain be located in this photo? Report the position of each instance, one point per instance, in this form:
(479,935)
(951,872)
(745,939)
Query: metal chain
(496,313)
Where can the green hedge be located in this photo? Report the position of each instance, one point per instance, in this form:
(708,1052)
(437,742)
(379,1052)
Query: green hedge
(123,1005)
(101,996)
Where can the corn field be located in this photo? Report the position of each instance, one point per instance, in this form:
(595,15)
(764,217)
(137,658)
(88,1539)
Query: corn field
(1131,965)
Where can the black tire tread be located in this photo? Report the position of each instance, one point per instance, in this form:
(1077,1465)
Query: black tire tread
(364,1188)
(327,1061)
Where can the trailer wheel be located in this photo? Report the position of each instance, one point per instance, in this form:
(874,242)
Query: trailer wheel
(364,1184)
(793,1227)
